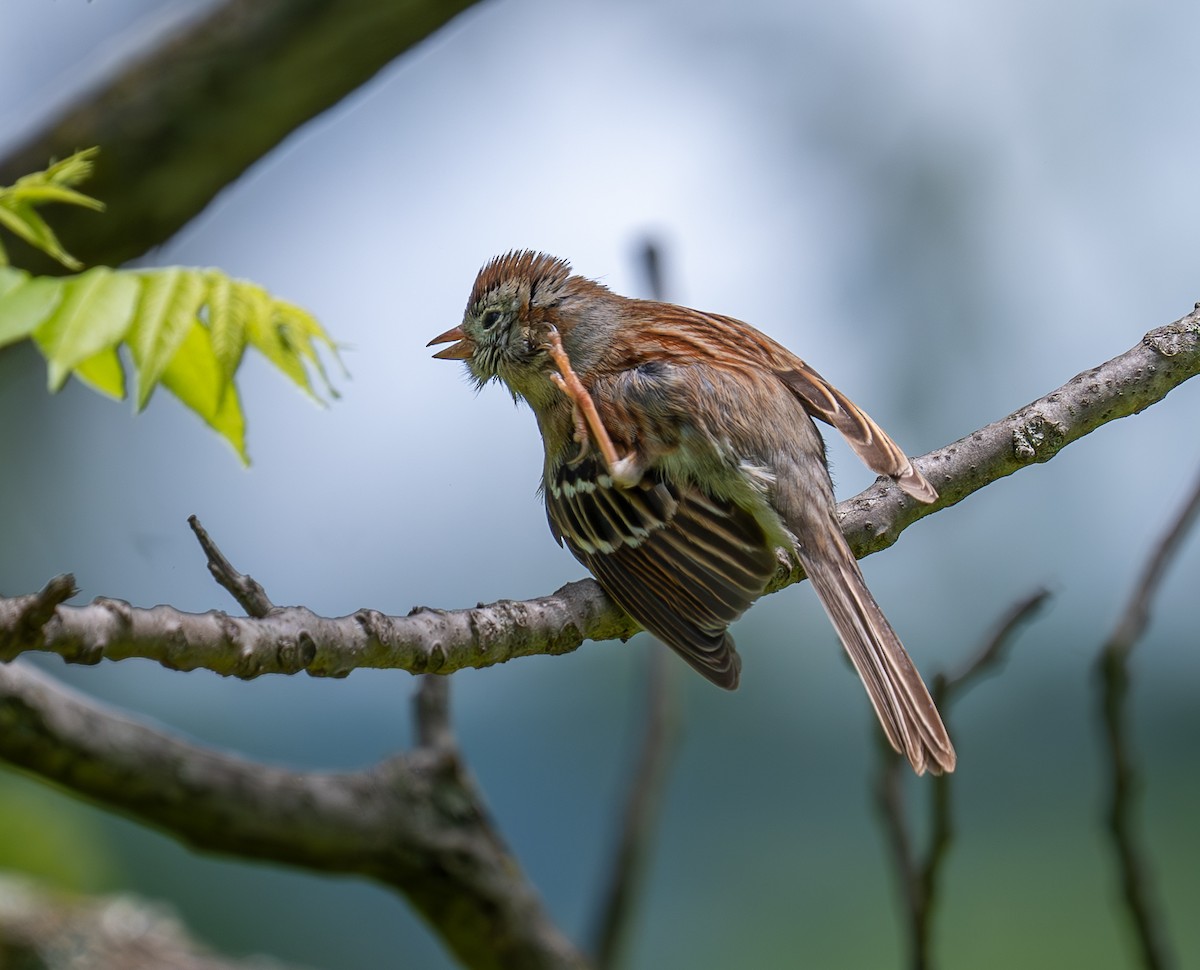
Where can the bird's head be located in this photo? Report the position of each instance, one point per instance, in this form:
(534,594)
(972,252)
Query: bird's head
(513,304)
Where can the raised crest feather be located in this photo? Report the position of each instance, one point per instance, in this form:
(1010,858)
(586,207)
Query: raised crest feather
(547,275)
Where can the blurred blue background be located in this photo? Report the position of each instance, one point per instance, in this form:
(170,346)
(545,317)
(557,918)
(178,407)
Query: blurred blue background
(948,209)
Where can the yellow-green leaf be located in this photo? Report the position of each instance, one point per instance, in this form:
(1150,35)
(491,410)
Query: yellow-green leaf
(300,329)
(24,303)
(52,192)
(169,305)
(11,278)
(71,170)
(21,219)
(103,372)
(226,324)
(94,314)
(192,376)
(39,188)
(265,334)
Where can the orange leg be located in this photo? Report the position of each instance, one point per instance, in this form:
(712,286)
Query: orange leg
(623,470)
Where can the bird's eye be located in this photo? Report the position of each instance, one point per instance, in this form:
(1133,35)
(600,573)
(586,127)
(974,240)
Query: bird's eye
(490,319)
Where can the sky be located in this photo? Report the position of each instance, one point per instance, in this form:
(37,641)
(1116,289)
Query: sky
(949,210)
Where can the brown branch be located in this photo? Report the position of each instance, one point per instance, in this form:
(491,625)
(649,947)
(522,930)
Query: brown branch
(1128,384)
(414,822)
(180,123)
(294,639)
(1112,666)
(919,877)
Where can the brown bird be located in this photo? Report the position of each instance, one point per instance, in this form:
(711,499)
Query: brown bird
(681,452)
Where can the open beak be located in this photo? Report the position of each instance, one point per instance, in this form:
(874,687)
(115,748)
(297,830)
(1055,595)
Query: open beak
(460,351)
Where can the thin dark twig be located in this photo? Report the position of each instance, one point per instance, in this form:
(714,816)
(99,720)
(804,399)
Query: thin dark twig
(249,594)
(890,803)
(992,653)
(1136,617)
(1112,665)
(919,877)
(640,815)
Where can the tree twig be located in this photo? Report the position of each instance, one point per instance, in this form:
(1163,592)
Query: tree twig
(919,876)
(293,639)
(244,588)
(993,652)
(1112,667)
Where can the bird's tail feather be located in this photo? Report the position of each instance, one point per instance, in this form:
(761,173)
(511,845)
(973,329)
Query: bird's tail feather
(907,712)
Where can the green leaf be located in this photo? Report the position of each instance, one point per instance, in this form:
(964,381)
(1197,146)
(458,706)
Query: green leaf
(169,305)
(265,334)
(21,219)
(187,329)
(192,375)
(24,303)
(39,188)
(10,279)
(71,170)
(300,329)
(103,372)
(94,314)
(42,194)
(226,324)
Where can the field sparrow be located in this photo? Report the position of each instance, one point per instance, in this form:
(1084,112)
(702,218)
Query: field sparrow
(680,454)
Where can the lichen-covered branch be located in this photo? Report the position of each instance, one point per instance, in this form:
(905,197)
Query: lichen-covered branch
(415,822)
(294,639)
(1128,384)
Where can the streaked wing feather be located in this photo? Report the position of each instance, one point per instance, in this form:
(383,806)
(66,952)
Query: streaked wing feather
(712,654)
(683,564)
(870,442)
(684,335)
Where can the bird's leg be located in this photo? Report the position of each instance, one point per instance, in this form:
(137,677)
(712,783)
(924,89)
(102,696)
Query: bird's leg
(581,429)
(626,471)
